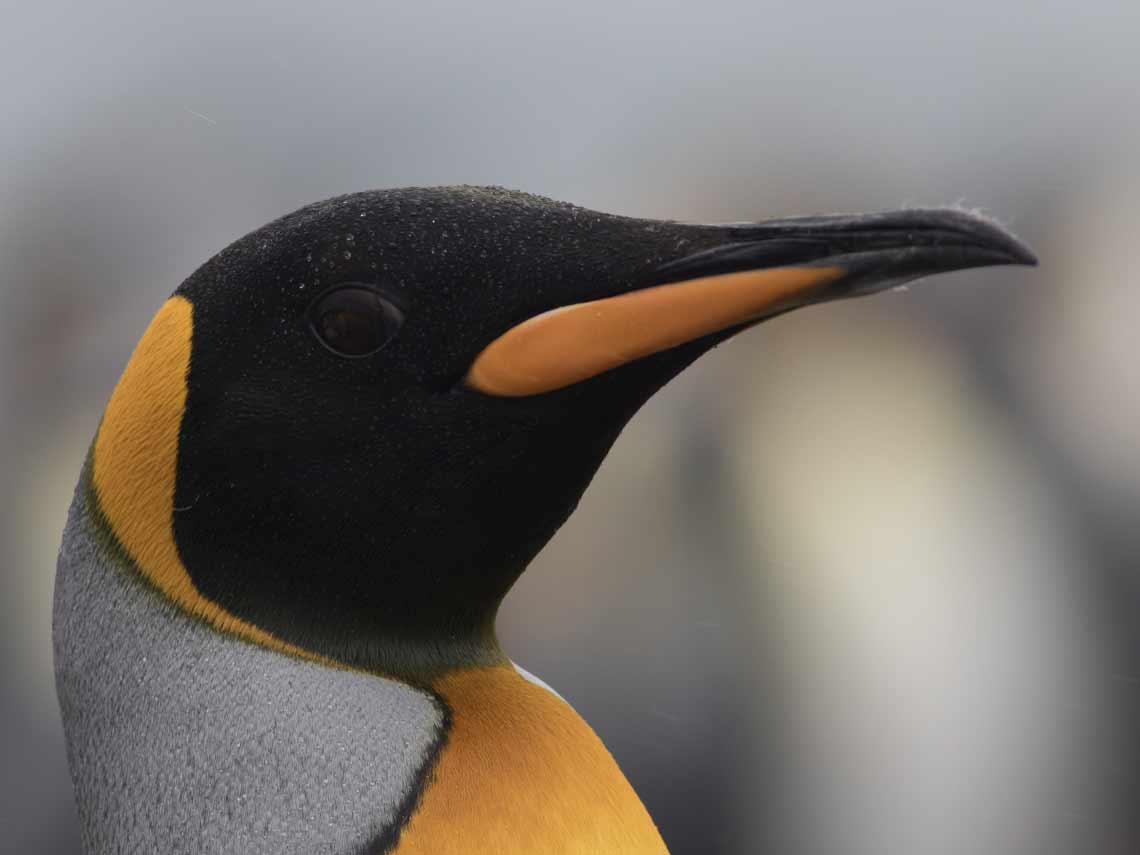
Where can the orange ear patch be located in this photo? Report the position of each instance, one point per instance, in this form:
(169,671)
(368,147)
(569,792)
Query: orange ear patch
(134,464)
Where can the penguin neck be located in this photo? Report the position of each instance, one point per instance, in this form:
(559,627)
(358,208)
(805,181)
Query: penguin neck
(396,635)
(400,615)
(417,626)
(413,641)
(411,627)
(420,656)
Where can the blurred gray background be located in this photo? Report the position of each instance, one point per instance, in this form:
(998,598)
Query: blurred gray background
(865,580)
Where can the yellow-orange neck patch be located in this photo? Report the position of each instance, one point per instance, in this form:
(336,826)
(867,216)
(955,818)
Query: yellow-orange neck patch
(522,774)
(135,458)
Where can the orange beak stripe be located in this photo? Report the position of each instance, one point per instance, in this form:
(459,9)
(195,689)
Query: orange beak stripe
(573,343)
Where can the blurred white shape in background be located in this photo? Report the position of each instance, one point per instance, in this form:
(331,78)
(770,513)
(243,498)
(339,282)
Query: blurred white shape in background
(1077,355)
(918,576)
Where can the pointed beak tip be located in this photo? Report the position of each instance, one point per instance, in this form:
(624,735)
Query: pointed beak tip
(985,234)
(1025,256)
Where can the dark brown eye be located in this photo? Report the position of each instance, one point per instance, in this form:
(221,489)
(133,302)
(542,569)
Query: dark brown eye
(354,320)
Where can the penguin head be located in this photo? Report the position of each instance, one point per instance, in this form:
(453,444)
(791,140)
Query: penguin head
(351,430)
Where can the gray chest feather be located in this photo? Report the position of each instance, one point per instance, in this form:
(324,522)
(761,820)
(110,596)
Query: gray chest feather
(182,740)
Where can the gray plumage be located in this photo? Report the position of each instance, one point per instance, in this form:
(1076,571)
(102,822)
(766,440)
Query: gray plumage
(183,740)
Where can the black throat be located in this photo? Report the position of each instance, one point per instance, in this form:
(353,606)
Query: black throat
(374,556)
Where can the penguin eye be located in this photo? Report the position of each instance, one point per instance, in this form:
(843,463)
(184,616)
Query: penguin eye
(354,320)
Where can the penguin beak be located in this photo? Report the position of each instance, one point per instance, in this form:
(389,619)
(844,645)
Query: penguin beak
(760,270)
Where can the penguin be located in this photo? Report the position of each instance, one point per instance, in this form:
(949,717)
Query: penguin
(331,454)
